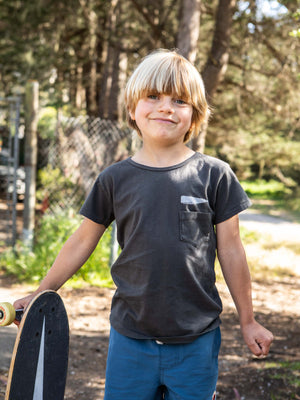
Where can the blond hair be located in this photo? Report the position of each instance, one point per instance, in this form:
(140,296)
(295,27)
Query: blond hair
(168,72)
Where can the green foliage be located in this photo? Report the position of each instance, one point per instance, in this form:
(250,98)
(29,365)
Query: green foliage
(58,189)
(49,238)
(292,202)
(47,122)
(249,236)
(255,126)
(296,32)
(96,270)
(263,189)
(51,234)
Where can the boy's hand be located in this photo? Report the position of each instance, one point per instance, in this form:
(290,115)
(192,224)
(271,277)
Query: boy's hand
(257,338)
(22,304)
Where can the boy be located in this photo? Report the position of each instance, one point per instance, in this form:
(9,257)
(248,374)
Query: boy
(173,208)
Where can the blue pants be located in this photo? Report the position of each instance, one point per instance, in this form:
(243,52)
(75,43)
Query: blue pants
(148,370)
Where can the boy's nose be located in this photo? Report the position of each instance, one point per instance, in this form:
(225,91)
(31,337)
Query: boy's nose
(166,104)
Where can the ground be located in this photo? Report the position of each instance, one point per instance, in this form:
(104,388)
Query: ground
(242,377)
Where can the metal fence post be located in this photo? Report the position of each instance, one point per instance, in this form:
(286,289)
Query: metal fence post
(16,166)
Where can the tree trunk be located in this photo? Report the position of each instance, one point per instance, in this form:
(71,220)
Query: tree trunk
(122,82)
(92,24)
(189,28)
(80,94)
(217,62)
(93,62)
(117,83)
(114,87)
(108,56)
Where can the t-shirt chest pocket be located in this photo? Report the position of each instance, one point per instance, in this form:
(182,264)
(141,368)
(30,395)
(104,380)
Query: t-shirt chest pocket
(195,227)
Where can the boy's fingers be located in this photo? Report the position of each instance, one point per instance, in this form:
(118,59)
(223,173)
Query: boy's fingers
(260,348)
(18,304)
(266,347)
(21,304)
(256,349)
(258,339)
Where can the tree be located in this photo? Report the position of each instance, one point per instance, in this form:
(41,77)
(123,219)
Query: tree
(82,51)
(217,60)
(259,124)
(189,28)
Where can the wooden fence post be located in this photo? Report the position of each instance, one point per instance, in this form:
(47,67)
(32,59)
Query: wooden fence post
(31,121)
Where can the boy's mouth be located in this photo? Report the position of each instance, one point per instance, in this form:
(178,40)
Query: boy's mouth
(164,120)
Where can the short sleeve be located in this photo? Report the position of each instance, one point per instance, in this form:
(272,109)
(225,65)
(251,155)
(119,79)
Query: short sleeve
(231,198)
(98,206)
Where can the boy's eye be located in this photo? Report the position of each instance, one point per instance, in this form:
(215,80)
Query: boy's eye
(179,101)
(152,96)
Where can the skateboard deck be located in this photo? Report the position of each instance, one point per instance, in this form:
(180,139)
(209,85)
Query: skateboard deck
(39,363)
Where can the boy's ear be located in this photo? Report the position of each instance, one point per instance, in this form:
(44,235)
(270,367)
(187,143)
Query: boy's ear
(131,114)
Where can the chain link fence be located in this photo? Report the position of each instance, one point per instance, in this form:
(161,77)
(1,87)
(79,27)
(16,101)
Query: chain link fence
(70,161)
(12,185)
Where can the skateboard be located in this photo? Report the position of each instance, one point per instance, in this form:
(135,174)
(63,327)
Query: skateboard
(39,363)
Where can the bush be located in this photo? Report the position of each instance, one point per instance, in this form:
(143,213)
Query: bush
(47,122)
(32,266)
(58,190)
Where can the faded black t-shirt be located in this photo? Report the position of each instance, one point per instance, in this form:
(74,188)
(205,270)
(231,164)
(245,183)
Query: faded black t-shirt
(165,219)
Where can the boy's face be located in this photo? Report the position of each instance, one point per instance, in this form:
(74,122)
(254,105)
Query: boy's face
(163,118)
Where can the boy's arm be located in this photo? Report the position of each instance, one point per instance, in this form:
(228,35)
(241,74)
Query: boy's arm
(235,269)
(71,257)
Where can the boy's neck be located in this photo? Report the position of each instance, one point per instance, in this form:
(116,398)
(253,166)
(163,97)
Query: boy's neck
(162,157)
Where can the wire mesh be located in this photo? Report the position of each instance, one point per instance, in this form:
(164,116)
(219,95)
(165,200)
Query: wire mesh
(70,162)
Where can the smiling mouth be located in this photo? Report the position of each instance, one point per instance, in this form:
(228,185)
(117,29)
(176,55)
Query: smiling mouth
(164,120)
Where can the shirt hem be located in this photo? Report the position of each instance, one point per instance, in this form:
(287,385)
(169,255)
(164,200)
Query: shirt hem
(167,339)
(241,207)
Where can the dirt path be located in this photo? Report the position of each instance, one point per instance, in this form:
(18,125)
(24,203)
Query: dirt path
(242,377)
(279,229)
(279,241)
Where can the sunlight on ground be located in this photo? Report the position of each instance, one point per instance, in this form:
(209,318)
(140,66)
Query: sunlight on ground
(272,264)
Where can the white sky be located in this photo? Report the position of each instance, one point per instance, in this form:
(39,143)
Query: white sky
(267,8)
(271,8)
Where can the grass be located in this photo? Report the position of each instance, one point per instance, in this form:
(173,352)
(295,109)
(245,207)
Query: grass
(268,190)
(294,247)
(274,198)
(264,273)
(286,371)
(248,236)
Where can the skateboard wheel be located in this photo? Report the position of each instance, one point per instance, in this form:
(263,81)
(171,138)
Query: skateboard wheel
(7,314)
